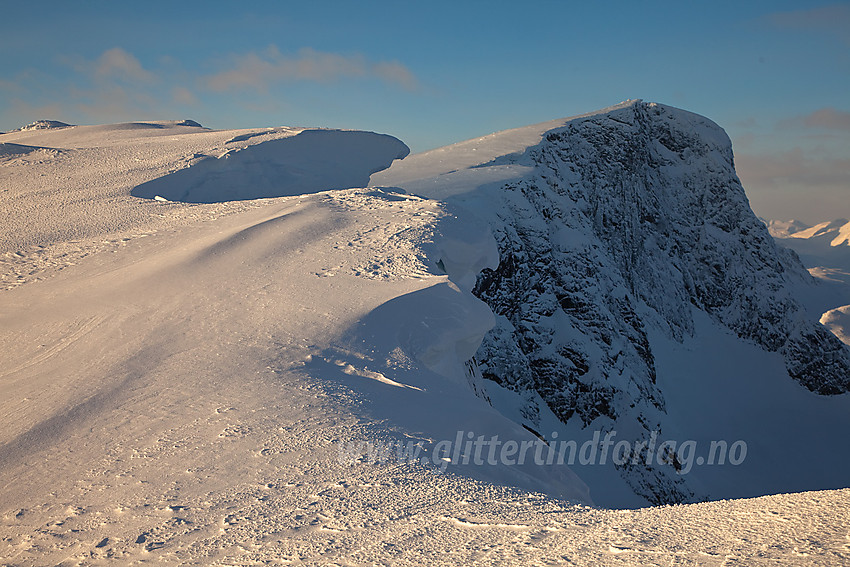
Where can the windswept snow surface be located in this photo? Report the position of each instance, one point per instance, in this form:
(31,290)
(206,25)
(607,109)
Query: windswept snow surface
(206,384)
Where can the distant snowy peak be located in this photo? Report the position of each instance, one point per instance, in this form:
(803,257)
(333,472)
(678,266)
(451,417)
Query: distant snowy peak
(188,123)
(825,250)
(158,124)
(42,125)
(837,232)
(167,123)
(784,229)
(843,236)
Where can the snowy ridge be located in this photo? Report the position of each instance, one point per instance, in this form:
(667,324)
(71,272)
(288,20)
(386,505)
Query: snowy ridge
(836,232)
(42,125)
(783,229)
(426,340)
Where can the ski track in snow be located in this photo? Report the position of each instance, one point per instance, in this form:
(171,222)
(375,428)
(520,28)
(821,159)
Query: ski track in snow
(160,401)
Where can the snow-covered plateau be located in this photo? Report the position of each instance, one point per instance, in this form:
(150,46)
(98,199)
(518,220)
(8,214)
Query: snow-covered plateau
(570,343)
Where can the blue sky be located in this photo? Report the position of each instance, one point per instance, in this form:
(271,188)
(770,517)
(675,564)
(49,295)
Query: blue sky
(775,75)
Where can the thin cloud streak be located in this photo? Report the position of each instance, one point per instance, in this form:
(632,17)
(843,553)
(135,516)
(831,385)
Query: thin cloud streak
(117,63)
(793,168)
(794,184)
(834,19)
(829,118)
(260,71)
(116,86)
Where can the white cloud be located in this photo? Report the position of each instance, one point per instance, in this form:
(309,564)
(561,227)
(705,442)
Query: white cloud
(829,118)
(395,72)
(116,86)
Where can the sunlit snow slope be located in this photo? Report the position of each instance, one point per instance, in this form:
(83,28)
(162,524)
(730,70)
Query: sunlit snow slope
(191,383)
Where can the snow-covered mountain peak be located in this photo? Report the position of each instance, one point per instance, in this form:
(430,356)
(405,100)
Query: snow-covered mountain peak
(503,156)
(499,148)
(837,232)
(784,229)
(42,125)
(620,231)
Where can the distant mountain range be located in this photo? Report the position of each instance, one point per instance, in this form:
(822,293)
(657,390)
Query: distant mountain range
(825,250)
(834,233)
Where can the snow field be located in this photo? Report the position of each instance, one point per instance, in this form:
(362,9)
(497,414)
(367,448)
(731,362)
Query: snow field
(180,391)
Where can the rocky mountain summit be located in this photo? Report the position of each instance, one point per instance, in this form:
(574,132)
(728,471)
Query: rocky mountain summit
(613,228)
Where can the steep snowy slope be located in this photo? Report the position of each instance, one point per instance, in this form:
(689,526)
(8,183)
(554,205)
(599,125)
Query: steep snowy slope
(617,231)
(310,160)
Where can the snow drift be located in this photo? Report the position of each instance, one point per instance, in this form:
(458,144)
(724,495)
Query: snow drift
(311,161)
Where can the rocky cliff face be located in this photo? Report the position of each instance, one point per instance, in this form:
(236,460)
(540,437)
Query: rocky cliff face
(628,221)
